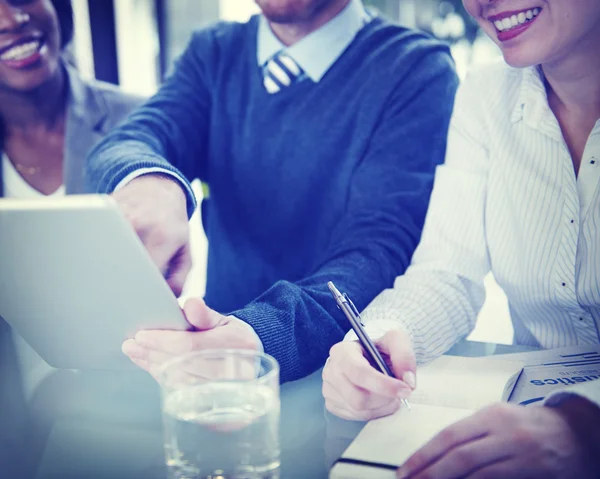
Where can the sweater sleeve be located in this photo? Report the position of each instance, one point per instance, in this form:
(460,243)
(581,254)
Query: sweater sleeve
(167,133)
(373,242)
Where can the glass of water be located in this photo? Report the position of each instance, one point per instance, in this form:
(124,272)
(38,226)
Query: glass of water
(221,415)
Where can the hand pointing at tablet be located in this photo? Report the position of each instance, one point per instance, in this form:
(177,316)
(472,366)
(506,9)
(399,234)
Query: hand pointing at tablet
(155,205)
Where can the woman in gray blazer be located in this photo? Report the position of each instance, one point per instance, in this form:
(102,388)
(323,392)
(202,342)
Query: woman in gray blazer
(50,116)
(49,119)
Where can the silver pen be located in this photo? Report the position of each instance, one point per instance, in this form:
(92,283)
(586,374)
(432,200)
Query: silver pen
(374,356)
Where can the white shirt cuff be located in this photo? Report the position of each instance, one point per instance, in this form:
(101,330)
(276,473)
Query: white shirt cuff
(147,171)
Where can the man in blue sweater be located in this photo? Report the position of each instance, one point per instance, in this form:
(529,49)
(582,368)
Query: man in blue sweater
(317,127)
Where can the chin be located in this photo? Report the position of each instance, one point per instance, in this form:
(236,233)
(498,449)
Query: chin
(291,11)
(26,82)
(519,61)
(523,57)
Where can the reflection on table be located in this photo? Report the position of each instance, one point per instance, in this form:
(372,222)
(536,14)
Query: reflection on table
(108,425)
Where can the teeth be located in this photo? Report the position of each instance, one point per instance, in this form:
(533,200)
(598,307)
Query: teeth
(515,20)
(20,52)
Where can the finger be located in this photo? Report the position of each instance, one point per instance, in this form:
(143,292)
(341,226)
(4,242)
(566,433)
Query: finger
(169,342)
(349,414)
(199,315)
(180,373)
(181,342)
(134,351)
(512,468)
(229,336)
(352,363)
(469,457)
(336,402)
(357,398)
(466,430)
(179,268)
(396,344)
(148,367)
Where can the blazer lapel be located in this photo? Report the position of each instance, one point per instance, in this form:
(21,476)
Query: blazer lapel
(86,114)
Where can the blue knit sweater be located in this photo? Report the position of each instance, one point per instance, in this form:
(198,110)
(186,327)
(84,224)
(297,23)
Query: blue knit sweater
(321,181)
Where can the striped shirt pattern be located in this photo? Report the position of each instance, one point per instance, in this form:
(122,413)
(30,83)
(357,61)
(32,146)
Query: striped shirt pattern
(507,200)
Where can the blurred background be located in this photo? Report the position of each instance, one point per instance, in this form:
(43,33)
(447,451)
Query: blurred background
(133,43)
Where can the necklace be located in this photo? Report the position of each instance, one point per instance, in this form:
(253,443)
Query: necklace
(27,170)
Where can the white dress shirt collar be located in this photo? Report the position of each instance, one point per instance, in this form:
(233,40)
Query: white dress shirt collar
(532,104)
(532,93)
(318,51)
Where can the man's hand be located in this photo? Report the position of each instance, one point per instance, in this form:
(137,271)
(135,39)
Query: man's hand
(155,205)
(506,441)
(150,349)
(355,390)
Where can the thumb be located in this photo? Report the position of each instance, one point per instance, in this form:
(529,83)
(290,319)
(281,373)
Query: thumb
(200,316)
(398,347)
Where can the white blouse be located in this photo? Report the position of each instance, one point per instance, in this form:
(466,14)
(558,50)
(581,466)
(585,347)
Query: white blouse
(33,368)
(507,200)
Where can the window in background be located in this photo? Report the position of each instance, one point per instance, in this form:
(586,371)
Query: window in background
(137,46)
(237,10)
(181,18)
(448,21)
(82,40)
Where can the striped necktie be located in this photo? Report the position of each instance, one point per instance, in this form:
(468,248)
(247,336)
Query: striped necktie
(280,72)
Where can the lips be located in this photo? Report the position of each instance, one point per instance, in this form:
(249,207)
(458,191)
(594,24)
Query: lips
(511,24)
(23,52)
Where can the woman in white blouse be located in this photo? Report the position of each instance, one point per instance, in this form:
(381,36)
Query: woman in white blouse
(519,195)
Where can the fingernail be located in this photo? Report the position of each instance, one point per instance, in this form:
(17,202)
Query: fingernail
(410,379)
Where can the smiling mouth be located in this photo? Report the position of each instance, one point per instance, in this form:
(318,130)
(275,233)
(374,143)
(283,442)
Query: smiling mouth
(506,22)
(22,50)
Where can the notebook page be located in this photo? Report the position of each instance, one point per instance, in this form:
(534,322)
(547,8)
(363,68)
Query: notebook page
(467,383)
(393,439)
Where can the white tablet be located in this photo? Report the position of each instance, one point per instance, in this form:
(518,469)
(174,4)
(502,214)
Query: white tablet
(75,281)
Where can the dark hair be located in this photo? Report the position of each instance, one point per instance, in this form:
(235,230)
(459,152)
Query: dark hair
(64,12)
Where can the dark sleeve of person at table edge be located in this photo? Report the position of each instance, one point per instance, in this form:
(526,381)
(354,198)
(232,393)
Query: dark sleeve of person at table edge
(406,77)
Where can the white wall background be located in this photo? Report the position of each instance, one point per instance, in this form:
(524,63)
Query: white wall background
(237,10)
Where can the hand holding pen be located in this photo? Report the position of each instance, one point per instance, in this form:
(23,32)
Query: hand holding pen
(357,382)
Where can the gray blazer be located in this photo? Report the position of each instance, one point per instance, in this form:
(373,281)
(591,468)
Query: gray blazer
(94,109)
